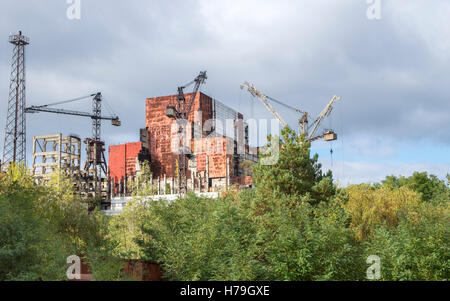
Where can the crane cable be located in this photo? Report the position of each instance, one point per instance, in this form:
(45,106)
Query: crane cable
(66,101)
(109,108)
(240,98)
(342,143)
(331,150)
(283,104)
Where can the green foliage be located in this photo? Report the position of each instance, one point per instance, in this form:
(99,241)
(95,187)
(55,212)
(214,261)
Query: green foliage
(296,225)
(105,266)
(200,239)
(370,207)
(418,249)
(30,249)
(232,239)
(142,185)
(41,225)
(295,172)
(125,229)
(302,242)
(430,187)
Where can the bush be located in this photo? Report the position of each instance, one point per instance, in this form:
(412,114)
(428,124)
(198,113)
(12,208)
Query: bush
(232,239)
(30,248)
(370,207)
(418,249)
(41,225)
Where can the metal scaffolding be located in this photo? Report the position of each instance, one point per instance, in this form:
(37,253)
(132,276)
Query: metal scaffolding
(224,119)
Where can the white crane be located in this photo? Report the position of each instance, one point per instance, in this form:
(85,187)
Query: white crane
(328,135)
(263,99)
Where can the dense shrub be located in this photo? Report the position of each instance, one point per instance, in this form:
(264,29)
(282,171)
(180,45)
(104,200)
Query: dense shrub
(295,225)
(370,207)
(231,239)
(418,249)
(42,225)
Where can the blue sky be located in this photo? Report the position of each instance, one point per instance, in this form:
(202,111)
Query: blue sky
(392,73)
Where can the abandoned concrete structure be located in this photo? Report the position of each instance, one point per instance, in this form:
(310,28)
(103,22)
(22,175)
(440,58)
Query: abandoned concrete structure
(55,152)
(215,139)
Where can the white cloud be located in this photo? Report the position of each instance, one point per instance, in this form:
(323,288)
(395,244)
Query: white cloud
(392,73)
(347,173)
(428,21)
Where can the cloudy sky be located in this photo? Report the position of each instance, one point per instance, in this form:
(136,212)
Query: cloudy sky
(392,73)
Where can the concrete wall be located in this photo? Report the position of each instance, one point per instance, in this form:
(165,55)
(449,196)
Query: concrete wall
(119,203)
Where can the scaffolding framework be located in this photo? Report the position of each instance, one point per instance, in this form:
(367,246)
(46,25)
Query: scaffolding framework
(223,115)
(14,149)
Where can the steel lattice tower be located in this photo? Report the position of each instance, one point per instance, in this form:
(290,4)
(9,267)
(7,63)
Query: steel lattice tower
(15,133)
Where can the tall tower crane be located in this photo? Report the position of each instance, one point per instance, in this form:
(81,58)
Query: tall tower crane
(180,112)
(309,132)
(95,160)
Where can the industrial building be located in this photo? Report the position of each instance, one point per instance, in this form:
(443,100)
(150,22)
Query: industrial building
(215,144)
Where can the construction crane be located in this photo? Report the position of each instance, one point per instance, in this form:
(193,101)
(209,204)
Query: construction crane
(328,135)
(182,109)
(309,132)
(255,93)
(180,112)
(94,146)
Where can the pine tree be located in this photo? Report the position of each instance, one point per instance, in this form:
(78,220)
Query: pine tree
(295,173)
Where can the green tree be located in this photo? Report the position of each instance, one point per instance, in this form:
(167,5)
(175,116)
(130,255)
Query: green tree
(304,242)
(232,239)
(30,248)
(201,239)
(42,224)
(430,187)
(288,228)
(143,183)
(295,172)
(126,229)
(370,207)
